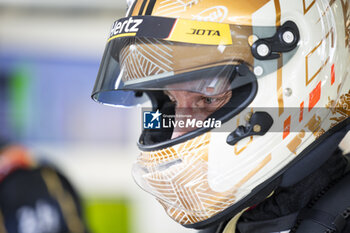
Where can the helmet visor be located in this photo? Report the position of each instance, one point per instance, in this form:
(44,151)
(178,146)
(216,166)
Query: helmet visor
(172,54)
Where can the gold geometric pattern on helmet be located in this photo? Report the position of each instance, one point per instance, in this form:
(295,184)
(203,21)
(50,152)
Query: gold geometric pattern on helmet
(308,7)
(341,109)
(310,77)
(314,126)
(225,11)
(146,57)
(346,12)
(187,202)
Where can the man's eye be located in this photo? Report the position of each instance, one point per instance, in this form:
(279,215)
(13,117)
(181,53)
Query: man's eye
(209,100)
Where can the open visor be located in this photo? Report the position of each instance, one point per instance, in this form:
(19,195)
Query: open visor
(150,53)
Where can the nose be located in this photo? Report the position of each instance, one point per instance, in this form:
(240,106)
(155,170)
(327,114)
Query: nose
(182,114)
(185,110)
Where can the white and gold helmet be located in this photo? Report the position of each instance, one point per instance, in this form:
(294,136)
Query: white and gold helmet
(287,65)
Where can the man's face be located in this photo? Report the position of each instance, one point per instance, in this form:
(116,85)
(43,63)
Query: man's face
(195,106)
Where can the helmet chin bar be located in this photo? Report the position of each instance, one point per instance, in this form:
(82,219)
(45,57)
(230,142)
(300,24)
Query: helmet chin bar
(285,40)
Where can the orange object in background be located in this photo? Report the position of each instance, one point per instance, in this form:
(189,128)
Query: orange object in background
(30,190)
(13,158)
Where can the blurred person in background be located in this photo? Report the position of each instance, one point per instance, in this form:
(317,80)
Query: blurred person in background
(35,198)
(249,102)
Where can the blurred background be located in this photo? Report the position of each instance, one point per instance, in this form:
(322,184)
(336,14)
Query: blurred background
(49,57)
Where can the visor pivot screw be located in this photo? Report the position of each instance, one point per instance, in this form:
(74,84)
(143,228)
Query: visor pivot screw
(288,92)
(263,50)
(288,37)
(257,128)
(258,70)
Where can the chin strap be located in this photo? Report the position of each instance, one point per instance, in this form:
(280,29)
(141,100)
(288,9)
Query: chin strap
(232,224)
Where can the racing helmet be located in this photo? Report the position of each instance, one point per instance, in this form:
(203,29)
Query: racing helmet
(285,63)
